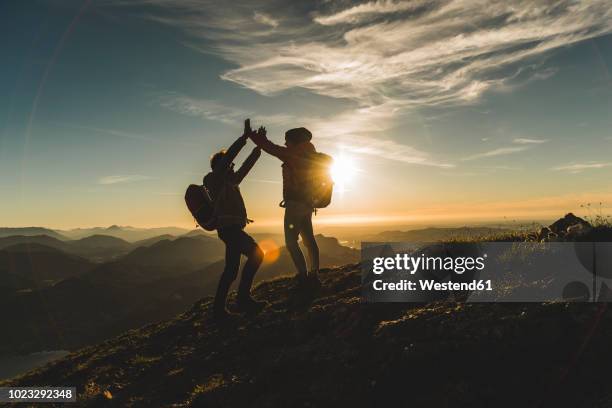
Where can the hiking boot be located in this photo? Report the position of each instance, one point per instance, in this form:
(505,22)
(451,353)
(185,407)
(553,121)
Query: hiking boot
(314,281)
(250,306)
(300,280)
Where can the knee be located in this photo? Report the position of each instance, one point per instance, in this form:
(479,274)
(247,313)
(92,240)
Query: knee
(230,272)
(257,255)
(311,244)
(291,242)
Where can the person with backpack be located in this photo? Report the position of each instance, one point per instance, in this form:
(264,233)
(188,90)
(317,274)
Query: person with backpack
(230,218)
(303,191)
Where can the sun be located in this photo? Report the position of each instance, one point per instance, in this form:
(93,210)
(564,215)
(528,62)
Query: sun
(343,171)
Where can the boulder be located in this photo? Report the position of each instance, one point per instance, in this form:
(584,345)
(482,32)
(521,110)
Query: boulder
(544,234)
(577,230)
(569,223)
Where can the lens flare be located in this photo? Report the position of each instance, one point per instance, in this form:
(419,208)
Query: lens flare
(343,171)
(270,249)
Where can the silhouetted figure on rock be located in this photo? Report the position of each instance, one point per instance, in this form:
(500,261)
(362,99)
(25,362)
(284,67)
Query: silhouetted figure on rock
(298,206)
(231,217)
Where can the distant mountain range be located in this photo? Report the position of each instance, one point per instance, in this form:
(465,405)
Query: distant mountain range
(100,248)
(66,289)
(29,231)
(30,266)
(130,234)
(182,252)
(140,236)
(435,234)
(55,299)
(96,248)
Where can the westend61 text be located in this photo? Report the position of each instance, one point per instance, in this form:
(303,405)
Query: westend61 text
(429,285)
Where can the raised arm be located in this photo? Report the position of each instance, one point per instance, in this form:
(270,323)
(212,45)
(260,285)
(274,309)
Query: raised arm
(260,139)
(233,150)
(247,165)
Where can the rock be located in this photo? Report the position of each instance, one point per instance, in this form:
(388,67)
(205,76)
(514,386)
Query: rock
(560,227)
(578,230)
(544,232)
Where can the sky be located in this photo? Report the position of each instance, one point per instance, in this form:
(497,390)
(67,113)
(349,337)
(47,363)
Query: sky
(445,111)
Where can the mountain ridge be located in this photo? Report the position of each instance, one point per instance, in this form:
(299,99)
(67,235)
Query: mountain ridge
(341,351)
(29,231)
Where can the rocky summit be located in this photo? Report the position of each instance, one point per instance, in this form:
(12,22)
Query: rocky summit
(325,347)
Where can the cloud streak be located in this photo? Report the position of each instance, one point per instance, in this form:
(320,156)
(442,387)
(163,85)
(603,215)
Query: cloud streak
(421,53)
(580,167)
(265,19)
(352,129)
(122,179)
(524,141)
(368,10)
(213,110)
(524,144)
(502,151)
(381,55)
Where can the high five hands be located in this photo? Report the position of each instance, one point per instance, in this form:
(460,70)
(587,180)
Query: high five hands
(247,129)
(261,132)
(249,133)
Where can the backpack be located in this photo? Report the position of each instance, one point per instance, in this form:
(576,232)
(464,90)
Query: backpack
(318,182)
(201,206)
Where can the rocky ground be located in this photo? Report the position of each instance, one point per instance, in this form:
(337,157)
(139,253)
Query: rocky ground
(326,348)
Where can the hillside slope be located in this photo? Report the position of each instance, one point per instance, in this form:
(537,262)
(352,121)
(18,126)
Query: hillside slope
(329,349)
(33,266)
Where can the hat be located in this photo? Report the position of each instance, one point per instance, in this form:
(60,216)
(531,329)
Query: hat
(298,135)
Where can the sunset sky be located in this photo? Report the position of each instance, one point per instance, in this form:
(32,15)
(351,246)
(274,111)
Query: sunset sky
(446,111)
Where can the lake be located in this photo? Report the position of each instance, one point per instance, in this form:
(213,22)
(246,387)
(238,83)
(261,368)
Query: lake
(11,366)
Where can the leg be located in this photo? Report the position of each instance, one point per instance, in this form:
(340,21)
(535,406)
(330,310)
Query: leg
(232,263)
(292,231)
(254,256)
(310,243)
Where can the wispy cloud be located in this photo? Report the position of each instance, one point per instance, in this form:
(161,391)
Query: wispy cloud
(204,108)
(209,109)
(265,19)
(362,131)
(421,53)
(529,141)
(525,144)
(121,179)
(368,10)
(264,181)
(580,167)
(394,55)
(358,131)
(497,152)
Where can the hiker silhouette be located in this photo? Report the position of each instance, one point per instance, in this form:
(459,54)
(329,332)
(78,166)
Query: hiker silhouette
(230,217)
(299,158)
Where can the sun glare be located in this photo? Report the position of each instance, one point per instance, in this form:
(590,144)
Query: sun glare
(270,249)
(343,171)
